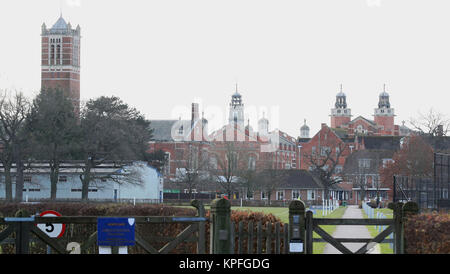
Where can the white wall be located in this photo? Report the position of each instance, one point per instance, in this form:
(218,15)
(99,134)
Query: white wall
(145,183)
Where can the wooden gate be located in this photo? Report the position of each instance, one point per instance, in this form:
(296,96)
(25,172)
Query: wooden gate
(395,225)
(25,227)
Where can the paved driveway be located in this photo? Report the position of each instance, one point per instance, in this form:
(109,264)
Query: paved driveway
(351,231)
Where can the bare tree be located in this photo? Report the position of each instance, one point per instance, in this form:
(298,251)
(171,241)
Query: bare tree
(14,109)
(270,176)
(324,160)
(231,159)
(433,123)
(192,169)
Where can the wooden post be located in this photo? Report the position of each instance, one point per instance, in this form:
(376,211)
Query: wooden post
(277,238)
(269,238)
(409,209)
(259,238)
(23,229)
(220,227)
(297,224)
(240,237)
(250,238)
(201,243)
(309,232)
(398,219)
(286,238)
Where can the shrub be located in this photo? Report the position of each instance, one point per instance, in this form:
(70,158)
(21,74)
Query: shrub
(428,233)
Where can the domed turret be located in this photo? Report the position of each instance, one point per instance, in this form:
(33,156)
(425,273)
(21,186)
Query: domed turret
(340,114)
(304,131)
(236,110)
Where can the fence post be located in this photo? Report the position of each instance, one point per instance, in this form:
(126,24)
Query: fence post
(398,219)
(297,226)
(23,230)
(201,243)
(220,226)
(309,232)
(409,209)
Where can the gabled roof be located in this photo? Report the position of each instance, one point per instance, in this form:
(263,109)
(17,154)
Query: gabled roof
(300,179)
(340,132)
(372,123)
(167,130)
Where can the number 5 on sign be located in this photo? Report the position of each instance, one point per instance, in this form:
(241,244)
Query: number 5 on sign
(52,230)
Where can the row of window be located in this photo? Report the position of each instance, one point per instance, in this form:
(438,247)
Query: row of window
(280,195)
(72,190)
(28,178)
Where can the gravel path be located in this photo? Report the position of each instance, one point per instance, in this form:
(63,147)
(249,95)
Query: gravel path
(351,231)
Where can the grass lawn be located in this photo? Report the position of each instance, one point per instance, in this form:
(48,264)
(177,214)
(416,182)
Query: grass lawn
(385,248)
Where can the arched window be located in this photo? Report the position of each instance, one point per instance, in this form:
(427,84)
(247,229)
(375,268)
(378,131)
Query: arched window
(251,163)
(360,129)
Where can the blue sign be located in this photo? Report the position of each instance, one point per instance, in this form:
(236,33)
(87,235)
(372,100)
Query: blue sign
(115,231)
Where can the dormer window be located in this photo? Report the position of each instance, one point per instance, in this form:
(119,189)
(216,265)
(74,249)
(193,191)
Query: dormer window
(181,130)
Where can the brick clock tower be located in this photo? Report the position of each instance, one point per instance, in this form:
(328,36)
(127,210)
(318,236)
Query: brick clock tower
(340,114)
(384,114)
(60,66)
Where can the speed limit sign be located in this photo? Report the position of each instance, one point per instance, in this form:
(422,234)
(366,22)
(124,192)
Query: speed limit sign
(52,230)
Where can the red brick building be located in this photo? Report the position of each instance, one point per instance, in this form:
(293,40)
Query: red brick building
(265,149)
(60,66)
(382,125)
(182,139)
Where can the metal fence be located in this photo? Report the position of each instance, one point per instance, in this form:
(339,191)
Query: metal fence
(442,180)
(428,193)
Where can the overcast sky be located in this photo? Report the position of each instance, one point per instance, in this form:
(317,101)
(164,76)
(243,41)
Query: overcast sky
(288,57)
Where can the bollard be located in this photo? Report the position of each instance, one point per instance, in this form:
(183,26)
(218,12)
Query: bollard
(297,234)
(220,240)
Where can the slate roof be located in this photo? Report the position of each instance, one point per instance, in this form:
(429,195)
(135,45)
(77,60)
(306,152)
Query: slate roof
(300,179)
(381,142)
(351,165)
(162,129)
(60,24)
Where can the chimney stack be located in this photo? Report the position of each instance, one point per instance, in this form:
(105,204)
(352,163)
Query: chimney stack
(195,113)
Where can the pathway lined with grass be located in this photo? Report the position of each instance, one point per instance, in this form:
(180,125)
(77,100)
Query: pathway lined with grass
(385,248)
(351,231)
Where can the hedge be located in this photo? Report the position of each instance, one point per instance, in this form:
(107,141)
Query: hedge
(428,233)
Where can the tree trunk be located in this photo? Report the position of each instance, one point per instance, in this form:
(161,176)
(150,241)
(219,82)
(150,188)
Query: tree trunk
(19,173)
(85,180)
(85,190)
(19,181)
(54,176)
(8,183)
